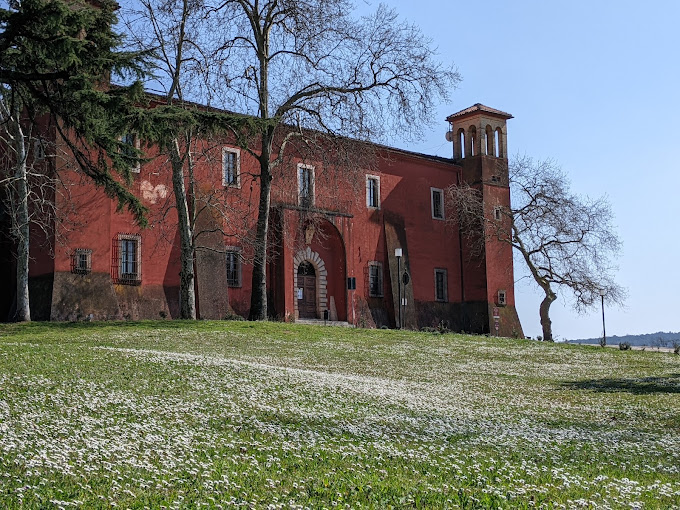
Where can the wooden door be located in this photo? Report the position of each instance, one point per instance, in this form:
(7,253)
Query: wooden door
(307,305)
(307,284)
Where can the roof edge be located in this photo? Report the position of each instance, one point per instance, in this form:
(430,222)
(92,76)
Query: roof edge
(479,108)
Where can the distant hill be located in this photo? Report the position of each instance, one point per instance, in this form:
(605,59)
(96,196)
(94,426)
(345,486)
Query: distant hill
(659,339)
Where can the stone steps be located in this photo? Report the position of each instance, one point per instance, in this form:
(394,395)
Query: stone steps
(321,322)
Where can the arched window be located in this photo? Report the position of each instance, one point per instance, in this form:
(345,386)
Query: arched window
(473,140)
(497,148)
(460,145)
(489,141)
(306,269)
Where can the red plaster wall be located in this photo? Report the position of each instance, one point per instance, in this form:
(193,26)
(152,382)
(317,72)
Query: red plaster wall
(356,237)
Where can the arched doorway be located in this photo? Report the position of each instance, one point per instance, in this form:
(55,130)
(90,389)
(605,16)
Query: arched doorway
(306,283)
(325,253)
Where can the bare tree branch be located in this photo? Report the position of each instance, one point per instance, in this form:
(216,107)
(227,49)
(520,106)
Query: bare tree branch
(565,240)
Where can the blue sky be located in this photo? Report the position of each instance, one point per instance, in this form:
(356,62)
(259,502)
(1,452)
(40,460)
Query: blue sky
(595,86)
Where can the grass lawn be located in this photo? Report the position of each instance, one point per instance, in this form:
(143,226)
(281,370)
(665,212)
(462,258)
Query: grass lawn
(259,415)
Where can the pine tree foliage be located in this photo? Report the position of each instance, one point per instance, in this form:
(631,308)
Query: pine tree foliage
(56,58)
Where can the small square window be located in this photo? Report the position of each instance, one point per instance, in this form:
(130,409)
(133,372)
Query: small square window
(502,298)
(126,260)
(305,185)
(130,150)
(231,167)
(437,196)
(373,192)
(375,279)
(81,261)
(440,285)
(233,266)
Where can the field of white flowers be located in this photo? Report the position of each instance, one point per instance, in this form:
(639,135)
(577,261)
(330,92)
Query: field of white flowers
(236,414)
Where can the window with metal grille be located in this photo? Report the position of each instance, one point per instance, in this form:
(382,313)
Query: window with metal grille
(81,261)
(437,196)
(126,259)
(440,285)
(306,185)
(231,162)
(375,279)
(372,191)
(233,266)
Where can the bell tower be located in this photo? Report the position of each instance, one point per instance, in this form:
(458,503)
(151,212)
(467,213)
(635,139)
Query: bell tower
(480,148)
(480,143)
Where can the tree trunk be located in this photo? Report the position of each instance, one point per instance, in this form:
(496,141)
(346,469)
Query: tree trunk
(23,313)
(544,311)
(21,222)
(258,297)
(187,296)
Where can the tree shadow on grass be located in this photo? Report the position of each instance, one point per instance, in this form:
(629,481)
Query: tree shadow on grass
(638,386)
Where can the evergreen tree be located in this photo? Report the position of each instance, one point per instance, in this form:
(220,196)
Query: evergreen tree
(55,61)
(56,58)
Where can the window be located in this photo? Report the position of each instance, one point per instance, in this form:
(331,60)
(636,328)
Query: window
(440,285)
(126,260)
(502,298)
(231,167)
(233,266)
(130,148)
(437,196)
(497,213)
(81,261)
(305,185)
(38,150)
(375,279)
(373,191)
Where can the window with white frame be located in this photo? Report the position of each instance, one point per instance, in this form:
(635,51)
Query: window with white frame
(126,260)
(440,285)
(130,143)
(233,266)
(305,185)
(375,279)
(497,213)
(373,191)
(437,198)
(81,261)
(502,298)
(231,167)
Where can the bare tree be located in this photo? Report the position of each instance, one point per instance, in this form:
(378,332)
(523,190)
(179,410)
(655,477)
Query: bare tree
(28,189)
(164,26)
(313,66)
(565,240)
(185,132)
(13,137)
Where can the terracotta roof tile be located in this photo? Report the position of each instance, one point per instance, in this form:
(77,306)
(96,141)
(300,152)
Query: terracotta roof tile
(479,107)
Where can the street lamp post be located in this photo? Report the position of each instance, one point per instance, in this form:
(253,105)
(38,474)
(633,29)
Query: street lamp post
(397,253)
(604,330)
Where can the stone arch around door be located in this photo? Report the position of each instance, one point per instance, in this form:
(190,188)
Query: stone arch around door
(307,255)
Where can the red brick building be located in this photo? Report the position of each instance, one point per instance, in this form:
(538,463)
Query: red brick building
(108,268)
